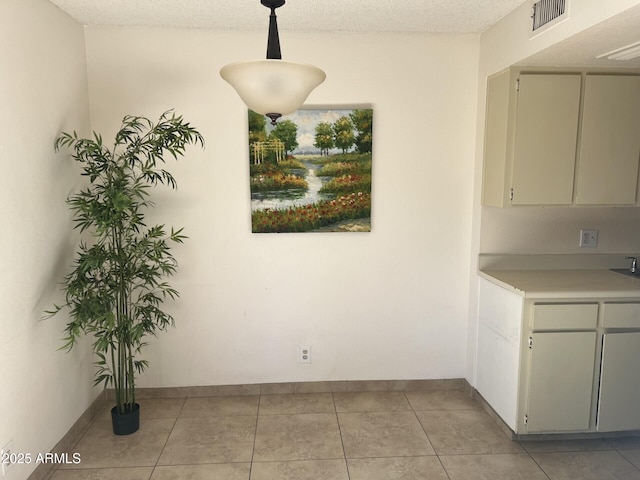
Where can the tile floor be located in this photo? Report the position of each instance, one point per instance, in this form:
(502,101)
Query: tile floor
(435,435)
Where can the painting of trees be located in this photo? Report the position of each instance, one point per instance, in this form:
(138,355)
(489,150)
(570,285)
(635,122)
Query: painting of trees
(324,138)
(343,135)
(363,124)
(286,131)
(311,172)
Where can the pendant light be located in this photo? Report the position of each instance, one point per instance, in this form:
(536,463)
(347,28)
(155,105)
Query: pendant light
(273,87)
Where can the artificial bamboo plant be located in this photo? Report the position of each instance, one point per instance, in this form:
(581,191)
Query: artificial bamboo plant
(118,283)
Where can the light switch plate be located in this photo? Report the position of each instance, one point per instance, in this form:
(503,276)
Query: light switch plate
(588,238)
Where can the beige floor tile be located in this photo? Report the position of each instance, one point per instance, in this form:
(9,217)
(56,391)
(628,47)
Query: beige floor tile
(161,407)
(300,470)
(296,435)
(313,436)
(297,387)
(492,467)
(219,471)
(374,386)
(371,402)
(459,432)
(632,455)
(220,390)
(441,400)
(220,406)
(100,448)
(293,404)
(396,468)
(566,445)
(383,434)
(153,408)
(601,465)
(139,473)
(625,443)
(210,440)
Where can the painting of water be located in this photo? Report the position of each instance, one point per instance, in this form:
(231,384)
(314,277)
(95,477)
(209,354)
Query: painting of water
(311,172)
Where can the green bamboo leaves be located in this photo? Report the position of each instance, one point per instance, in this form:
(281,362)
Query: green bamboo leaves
(118,283)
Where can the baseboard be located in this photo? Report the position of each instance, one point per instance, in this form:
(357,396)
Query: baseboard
(70,439)
(299,387)
(475,395)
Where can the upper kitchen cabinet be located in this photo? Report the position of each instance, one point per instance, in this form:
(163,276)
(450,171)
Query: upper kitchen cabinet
(548,132)
(544,150)
(609,148)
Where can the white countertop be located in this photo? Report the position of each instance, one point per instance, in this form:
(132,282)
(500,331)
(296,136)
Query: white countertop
(601,283)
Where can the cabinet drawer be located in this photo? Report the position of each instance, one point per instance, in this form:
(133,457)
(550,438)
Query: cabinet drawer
(621,315)
(565,316)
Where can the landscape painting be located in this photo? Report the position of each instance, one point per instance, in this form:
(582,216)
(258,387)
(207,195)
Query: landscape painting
(311,172)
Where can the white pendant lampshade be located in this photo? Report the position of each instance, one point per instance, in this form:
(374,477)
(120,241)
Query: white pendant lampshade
(273,87)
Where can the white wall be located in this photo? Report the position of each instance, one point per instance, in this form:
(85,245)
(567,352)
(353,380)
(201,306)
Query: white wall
(43,89)
(537,229)
(390,304)
(557,230)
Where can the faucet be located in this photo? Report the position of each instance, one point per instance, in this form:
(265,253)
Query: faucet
(634,264)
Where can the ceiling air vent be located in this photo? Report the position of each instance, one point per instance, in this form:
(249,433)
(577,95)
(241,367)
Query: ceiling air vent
(545,11)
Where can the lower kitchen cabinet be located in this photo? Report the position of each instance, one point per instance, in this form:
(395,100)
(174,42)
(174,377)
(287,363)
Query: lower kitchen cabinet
(560,381)
(559,365)
(619,396)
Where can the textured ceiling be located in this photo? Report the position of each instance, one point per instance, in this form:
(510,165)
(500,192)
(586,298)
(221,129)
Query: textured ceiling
(438,16)
(583,48)
(434,16)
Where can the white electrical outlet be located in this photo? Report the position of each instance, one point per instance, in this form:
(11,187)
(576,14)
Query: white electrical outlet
(304,353)
(5,457)
(588,238)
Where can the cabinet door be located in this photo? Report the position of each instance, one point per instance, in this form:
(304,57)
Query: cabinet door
(546,133)
(560,384)
(619,399)
(495,177)
(610,141)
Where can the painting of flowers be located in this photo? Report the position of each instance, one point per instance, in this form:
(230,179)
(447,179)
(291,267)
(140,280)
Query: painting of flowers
(311,172)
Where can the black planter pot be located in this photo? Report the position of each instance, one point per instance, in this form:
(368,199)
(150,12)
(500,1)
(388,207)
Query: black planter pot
(126,423)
